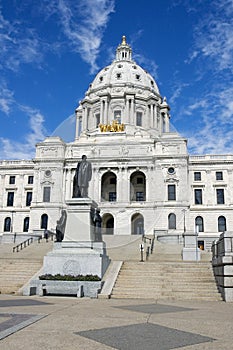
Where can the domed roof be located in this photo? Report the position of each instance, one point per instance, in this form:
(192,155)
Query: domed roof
(124,72)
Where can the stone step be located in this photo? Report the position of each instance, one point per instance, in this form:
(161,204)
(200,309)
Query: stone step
(164,297)
(166,280)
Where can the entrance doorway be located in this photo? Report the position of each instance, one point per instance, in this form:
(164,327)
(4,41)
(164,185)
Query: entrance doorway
(108,224)
(137,224)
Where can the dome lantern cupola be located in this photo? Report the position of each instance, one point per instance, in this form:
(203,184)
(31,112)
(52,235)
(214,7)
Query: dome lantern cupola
(123,51)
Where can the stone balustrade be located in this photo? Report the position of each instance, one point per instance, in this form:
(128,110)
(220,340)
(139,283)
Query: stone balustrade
(222,260)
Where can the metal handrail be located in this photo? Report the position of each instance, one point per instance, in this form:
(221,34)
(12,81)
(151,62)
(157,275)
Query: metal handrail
(144,238)
(149,248)
(22,245)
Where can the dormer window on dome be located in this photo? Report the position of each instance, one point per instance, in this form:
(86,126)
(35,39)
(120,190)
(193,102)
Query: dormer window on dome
(124,51)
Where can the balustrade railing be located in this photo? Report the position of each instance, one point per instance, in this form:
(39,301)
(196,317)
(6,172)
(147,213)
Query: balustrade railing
(22,245)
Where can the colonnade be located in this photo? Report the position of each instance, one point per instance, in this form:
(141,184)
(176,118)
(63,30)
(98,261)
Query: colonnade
(152,116)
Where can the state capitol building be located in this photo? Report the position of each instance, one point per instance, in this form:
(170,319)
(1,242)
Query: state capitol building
(143,180)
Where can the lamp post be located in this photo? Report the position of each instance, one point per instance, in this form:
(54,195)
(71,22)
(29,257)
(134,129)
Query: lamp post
(197,231)
(184,211)
(12,220)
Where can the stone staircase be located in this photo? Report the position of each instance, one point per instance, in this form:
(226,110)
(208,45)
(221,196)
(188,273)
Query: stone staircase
(16,269)
(166,280)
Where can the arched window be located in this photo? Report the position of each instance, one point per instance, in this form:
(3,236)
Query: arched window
(171,221)
(109,187)
(7,224)
(222,224)
(137,224)
(44,221)
(137,187)
(108,224)
(26,224)
(200,223)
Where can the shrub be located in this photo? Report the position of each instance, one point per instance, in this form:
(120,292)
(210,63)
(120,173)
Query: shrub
(58,277)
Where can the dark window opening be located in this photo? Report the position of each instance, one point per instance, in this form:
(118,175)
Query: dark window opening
(7,224)
(171,192)
(139,196)
(112,181)
(198,196)
(28,199)
(140,180)
(172,221)
(139,119)
(199,222)
(10,199)
(12,180)
(197,176)
(112,196)
(26,224)
(46,194)
(30,179)
(219,175)
(44,221)
(220,196)
(222,224)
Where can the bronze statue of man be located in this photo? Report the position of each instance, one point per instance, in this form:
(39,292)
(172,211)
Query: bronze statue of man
(82,177)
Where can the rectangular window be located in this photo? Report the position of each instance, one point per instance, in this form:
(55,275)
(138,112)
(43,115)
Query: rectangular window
(112,181)
(139,196)
(139,180)
(112,196)
(219,175)
(10,199)
(117,116)
(139,119)
(28,199)
(46,194)
(197,176)
(12,180)
(220,195)
(97,119)
(198,196)
(171,192)
(30,179)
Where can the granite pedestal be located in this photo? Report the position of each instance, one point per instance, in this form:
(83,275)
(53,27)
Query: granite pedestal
(82,252)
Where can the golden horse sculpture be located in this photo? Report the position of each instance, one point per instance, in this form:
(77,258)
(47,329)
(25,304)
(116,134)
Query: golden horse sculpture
(114,127)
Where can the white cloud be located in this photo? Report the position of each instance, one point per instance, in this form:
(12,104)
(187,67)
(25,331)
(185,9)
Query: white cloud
(11,149)
(19,44)
(84,26)
(213,35)
(212,116)
(6,98)
(177,89)
(147,64)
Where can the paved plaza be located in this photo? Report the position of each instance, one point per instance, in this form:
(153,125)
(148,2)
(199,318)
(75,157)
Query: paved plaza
(92,324)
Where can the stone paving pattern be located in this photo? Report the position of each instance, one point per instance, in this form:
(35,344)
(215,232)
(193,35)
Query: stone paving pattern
(70,323)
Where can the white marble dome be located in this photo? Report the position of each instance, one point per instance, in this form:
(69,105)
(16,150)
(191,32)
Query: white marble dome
(124,72)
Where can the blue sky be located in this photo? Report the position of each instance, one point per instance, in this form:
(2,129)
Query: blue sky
(52,49)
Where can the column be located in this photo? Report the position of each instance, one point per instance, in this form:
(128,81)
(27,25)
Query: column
(101,112)
(2,187)
(99,185)
(85,119)
(124,184)
(105,112)
(127,116)
(132,119)
(166,122)
(20,201)
(155,116)
(151,115)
